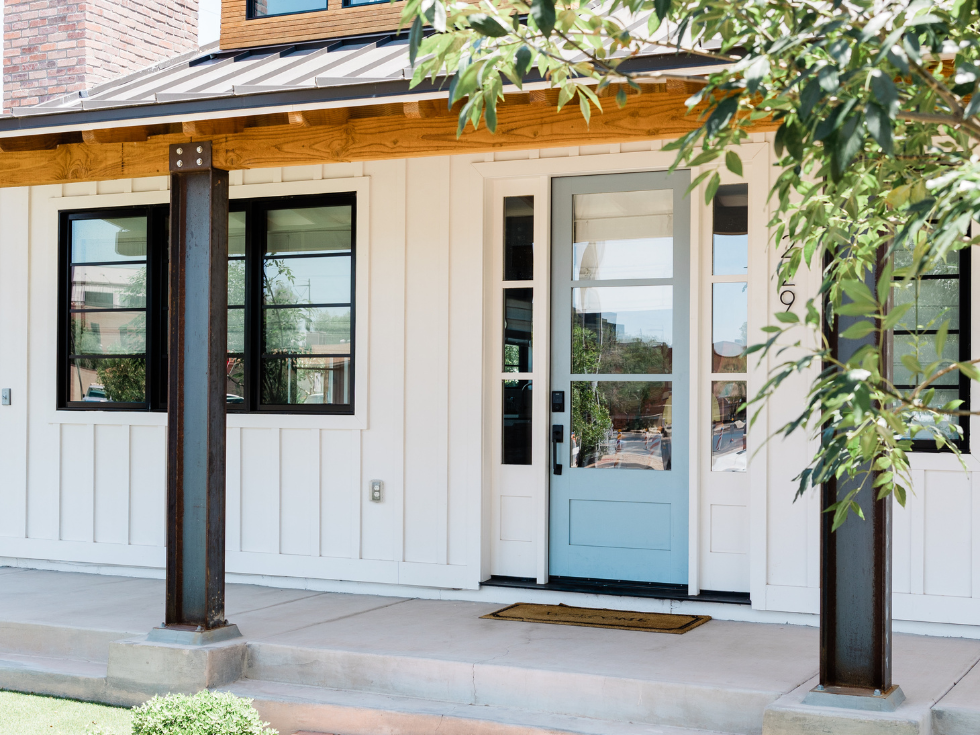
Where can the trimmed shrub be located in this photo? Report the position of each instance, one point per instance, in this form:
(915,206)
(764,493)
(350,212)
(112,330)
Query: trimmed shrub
(205,713)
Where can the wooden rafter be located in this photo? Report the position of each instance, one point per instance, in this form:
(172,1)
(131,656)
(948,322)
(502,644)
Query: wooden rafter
(403,130)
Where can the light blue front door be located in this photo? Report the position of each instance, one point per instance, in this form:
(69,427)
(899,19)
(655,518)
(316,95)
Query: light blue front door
(620,379)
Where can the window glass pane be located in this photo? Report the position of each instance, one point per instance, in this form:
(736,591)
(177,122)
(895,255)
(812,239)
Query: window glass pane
(308,230)
(290,381)
(623,235)
(518,317)
(107,240)
(518,238)
(323,331)
(621,425)
(729,327)
(108,286)
(730,241)
(236,233)
(517,422)
(236,282)
(108,332)
(307,280)
(626,329)
(934,301)
(946,425)
(728,426)
(923,349)
(950,266)
(236,331)
(107,380)
(236,381)
(262,8)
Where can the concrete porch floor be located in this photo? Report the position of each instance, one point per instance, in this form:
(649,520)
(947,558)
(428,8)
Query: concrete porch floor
(362,665)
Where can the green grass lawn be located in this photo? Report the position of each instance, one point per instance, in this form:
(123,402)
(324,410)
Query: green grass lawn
(26,714)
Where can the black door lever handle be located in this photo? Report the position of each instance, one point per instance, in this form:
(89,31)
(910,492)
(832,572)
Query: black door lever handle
(557,437)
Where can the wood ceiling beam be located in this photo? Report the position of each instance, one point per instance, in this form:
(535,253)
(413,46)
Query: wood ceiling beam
(359,138)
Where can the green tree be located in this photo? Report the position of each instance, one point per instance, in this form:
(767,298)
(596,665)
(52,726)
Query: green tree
(878,182)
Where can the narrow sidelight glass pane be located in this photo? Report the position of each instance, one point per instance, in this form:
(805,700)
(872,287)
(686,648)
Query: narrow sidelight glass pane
(236,380)
(324,331)
(108,286)
(236,233)
(264,8)
(307,280)
(934,301)
(308,231)
(236,282)
(729,327)
(236,330)
(518,238)
(517,422)
(107,380)
(108,332)
(292,381)
(622,329)
(107,240)
(730,241)
(621,425)
(728,426)
(518,318)
(627,234)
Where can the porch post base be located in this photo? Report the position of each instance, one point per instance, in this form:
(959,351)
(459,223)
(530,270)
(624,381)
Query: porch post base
(189,635)
(869,700)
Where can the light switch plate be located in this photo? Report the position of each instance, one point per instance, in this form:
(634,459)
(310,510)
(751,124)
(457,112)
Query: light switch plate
(5,396)
(377,491)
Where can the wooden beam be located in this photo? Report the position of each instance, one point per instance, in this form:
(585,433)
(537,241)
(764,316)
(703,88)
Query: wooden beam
(135,134)
(28,143)
(209,128)
(312,118)
(361,138)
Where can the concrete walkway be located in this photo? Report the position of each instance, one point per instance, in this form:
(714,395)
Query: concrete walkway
(358,664)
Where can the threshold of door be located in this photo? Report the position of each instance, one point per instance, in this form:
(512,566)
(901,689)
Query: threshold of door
(619,588)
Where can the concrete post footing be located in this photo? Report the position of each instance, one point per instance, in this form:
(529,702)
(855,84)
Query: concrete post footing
(853,698)
(186,635)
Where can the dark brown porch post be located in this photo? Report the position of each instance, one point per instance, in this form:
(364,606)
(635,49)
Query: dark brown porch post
(856,586)
(196,396)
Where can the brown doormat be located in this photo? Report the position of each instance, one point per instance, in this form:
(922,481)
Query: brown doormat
(591,618)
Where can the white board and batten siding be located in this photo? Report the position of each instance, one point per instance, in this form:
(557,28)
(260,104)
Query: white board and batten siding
(88,488)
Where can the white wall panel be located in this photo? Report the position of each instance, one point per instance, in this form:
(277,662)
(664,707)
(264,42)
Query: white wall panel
(338,492)
(148,485)
(77,482)
(427,360)
(112,484)
(260,490)
(298,478)
(948,520)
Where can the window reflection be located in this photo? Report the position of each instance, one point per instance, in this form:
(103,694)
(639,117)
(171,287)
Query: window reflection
(728,426)
(517,422)
(730,241)
(729,327)
(623,235)
(263,8)
(621,425)
(518,318)
(626,329)
(518,238)
(294,380)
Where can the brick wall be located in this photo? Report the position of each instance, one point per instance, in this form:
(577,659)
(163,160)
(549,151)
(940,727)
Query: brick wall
(52,47)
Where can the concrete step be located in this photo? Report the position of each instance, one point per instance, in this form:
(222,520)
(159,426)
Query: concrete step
(37,639)
(660,701)
(57,677)
(958,713)
(305,710)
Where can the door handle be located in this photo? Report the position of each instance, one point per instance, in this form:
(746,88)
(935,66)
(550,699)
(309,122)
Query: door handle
(557,437)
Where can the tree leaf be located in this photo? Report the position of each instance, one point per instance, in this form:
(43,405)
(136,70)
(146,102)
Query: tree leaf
(661,8)
(858,330)
(721,115)
(941,334)
(414,39)
(522,61)
(885,92)
(858,291)
(711,188)
(543,13)
(487,25)
(733,162)
(828,79)
(585,107)
(787,317)
(879,125)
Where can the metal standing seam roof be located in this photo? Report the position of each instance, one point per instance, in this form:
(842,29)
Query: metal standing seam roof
(211,80)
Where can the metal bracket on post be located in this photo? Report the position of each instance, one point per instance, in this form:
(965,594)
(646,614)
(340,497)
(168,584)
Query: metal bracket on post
(195,612)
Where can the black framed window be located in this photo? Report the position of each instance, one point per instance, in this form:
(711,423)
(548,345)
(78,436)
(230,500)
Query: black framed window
(266,8)
(112,315)
(941,296)
(291,267)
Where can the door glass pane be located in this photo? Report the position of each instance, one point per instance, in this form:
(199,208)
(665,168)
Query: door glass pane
(728,426)
(625,329)
(290,381)
(729,327)
(517,422)
(730,241)
(923,349)
(623,235)
(621,425)
(518,317)
(518,238)
(934,301)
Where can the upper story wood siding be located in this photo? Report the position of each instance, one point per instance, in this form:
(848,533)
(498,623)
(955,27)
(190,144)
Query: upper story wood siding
(237,31)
